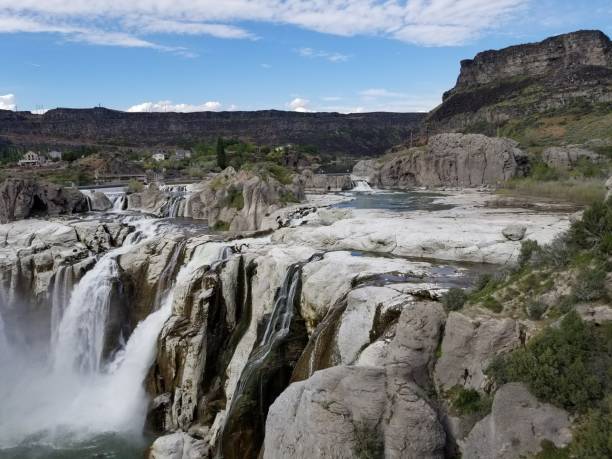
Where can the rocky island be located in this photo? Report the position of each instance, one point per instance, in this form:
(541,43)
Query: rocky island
(414,308)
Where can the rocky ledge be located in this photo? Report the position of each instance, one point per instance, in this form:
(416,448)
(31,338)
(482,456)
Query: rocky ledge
(447,160)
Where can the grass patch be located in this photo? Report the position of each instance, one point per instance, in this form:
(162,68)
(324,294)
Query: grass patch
(236,199)
(581,192)
(454,299)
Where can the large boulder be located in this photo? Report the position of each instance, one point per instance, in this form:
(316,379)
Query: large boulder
(178,445)
(568,157)
(347,412)
(98,201)
(23,198)
(151,200)
(462,160)
(241,201)
(468,346)
(516,426)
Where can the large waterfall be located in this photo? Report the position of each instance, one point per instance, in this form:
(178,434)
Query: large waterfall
(74,394)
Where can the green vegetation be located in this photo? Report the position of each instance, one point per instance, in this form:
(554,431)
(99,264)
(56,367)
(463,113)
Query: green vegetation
(368,443)
(469,401)
(581,192)
(454,299)
(550,451)
(267,169)
(220,225)
(135,186)
(236,200)
(569,366)
(593,437)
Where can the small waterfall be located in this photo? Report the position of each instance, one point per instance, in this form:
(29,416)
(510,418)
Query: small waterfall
(361,185)
(62,284)
(119,201)
(267,372)
(174,207)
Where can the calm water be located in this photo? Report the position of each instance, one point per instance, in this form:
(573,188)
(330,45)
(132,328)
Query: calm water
(397,201)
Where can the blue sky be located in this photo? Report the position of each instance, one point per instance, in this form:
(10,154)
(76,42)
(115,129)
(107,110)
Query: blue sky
(316,55)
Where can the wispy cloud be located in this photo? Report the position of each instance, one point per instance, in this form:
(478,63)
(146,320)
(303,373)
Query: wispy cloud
(319,54)
(132,23)
(169,106)
(300,104)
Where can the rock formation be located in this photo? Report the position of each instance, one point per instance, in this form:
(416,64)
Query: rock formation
(517,425)
(565,158)
(23,198)
(354,134)
(447,160)
(497,86)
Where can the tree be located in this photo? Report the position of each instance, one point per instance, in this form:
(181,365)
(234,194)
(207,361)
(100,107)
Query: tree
(221,158)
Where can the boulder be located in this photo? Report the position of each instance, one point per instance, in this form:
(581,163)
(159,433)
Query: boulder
(567,157)
(609,188)
(516,426)
(347,412)
(23,198)
(468,346)
(514,232)
(99,201)
(178,445)
(151,201)
(461,160)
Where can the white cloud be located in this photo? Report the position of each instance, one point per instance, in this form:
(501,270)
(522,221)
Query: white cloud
(124,23)
(7,102)
(169,106)
(330,56)
(299,105)
(265,66)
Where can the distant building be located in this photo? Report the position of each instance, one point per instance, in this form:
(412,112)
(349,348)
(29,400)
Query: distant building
(55,155)
(182,154)
(159,157)
(31,159)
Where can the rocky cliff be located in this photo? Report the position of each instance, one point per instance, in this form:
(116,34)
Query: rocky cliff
(495,87)
(331,133)
(447,160)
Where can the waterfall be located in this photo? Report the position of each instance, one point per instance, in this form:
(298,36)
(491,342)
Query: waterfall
(361,185)
(118,201)
(175,207)
(62,284)
(76,398)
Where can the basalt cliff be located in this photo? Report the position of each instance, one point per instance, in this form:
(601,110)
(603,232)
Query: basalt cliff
(561,73)
(332,133)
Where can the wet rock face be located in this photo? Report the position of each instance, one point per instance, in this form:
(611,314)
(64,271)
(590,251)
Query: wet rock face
(516,426)
(448,160)
(346,412)
(23,198)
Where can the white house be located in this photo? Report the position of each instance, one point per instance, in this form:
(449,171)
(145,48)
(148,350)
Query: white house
(31,159)
(158,157)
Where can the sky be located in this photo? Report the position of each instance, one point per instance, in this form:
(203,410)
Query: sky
(301,55)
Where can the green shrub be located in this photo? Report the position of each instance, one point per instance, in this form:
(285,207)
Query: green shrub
(528,249)
(236,199)
(590,285)
(135,186)
(469,401)
(593,437)
(220,225)
(594,228)
(542,172)
(535,310)
(454,299)
(566,365)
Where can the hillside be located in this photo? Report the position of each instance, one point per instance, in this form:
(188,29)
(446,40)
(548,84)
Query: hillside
(330,133)
(553,92)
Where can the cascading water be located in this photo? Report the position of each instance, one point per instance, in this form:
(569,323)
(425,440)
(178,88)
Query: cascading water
(62,287)
(118,201)
(76,397)
(361,185)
